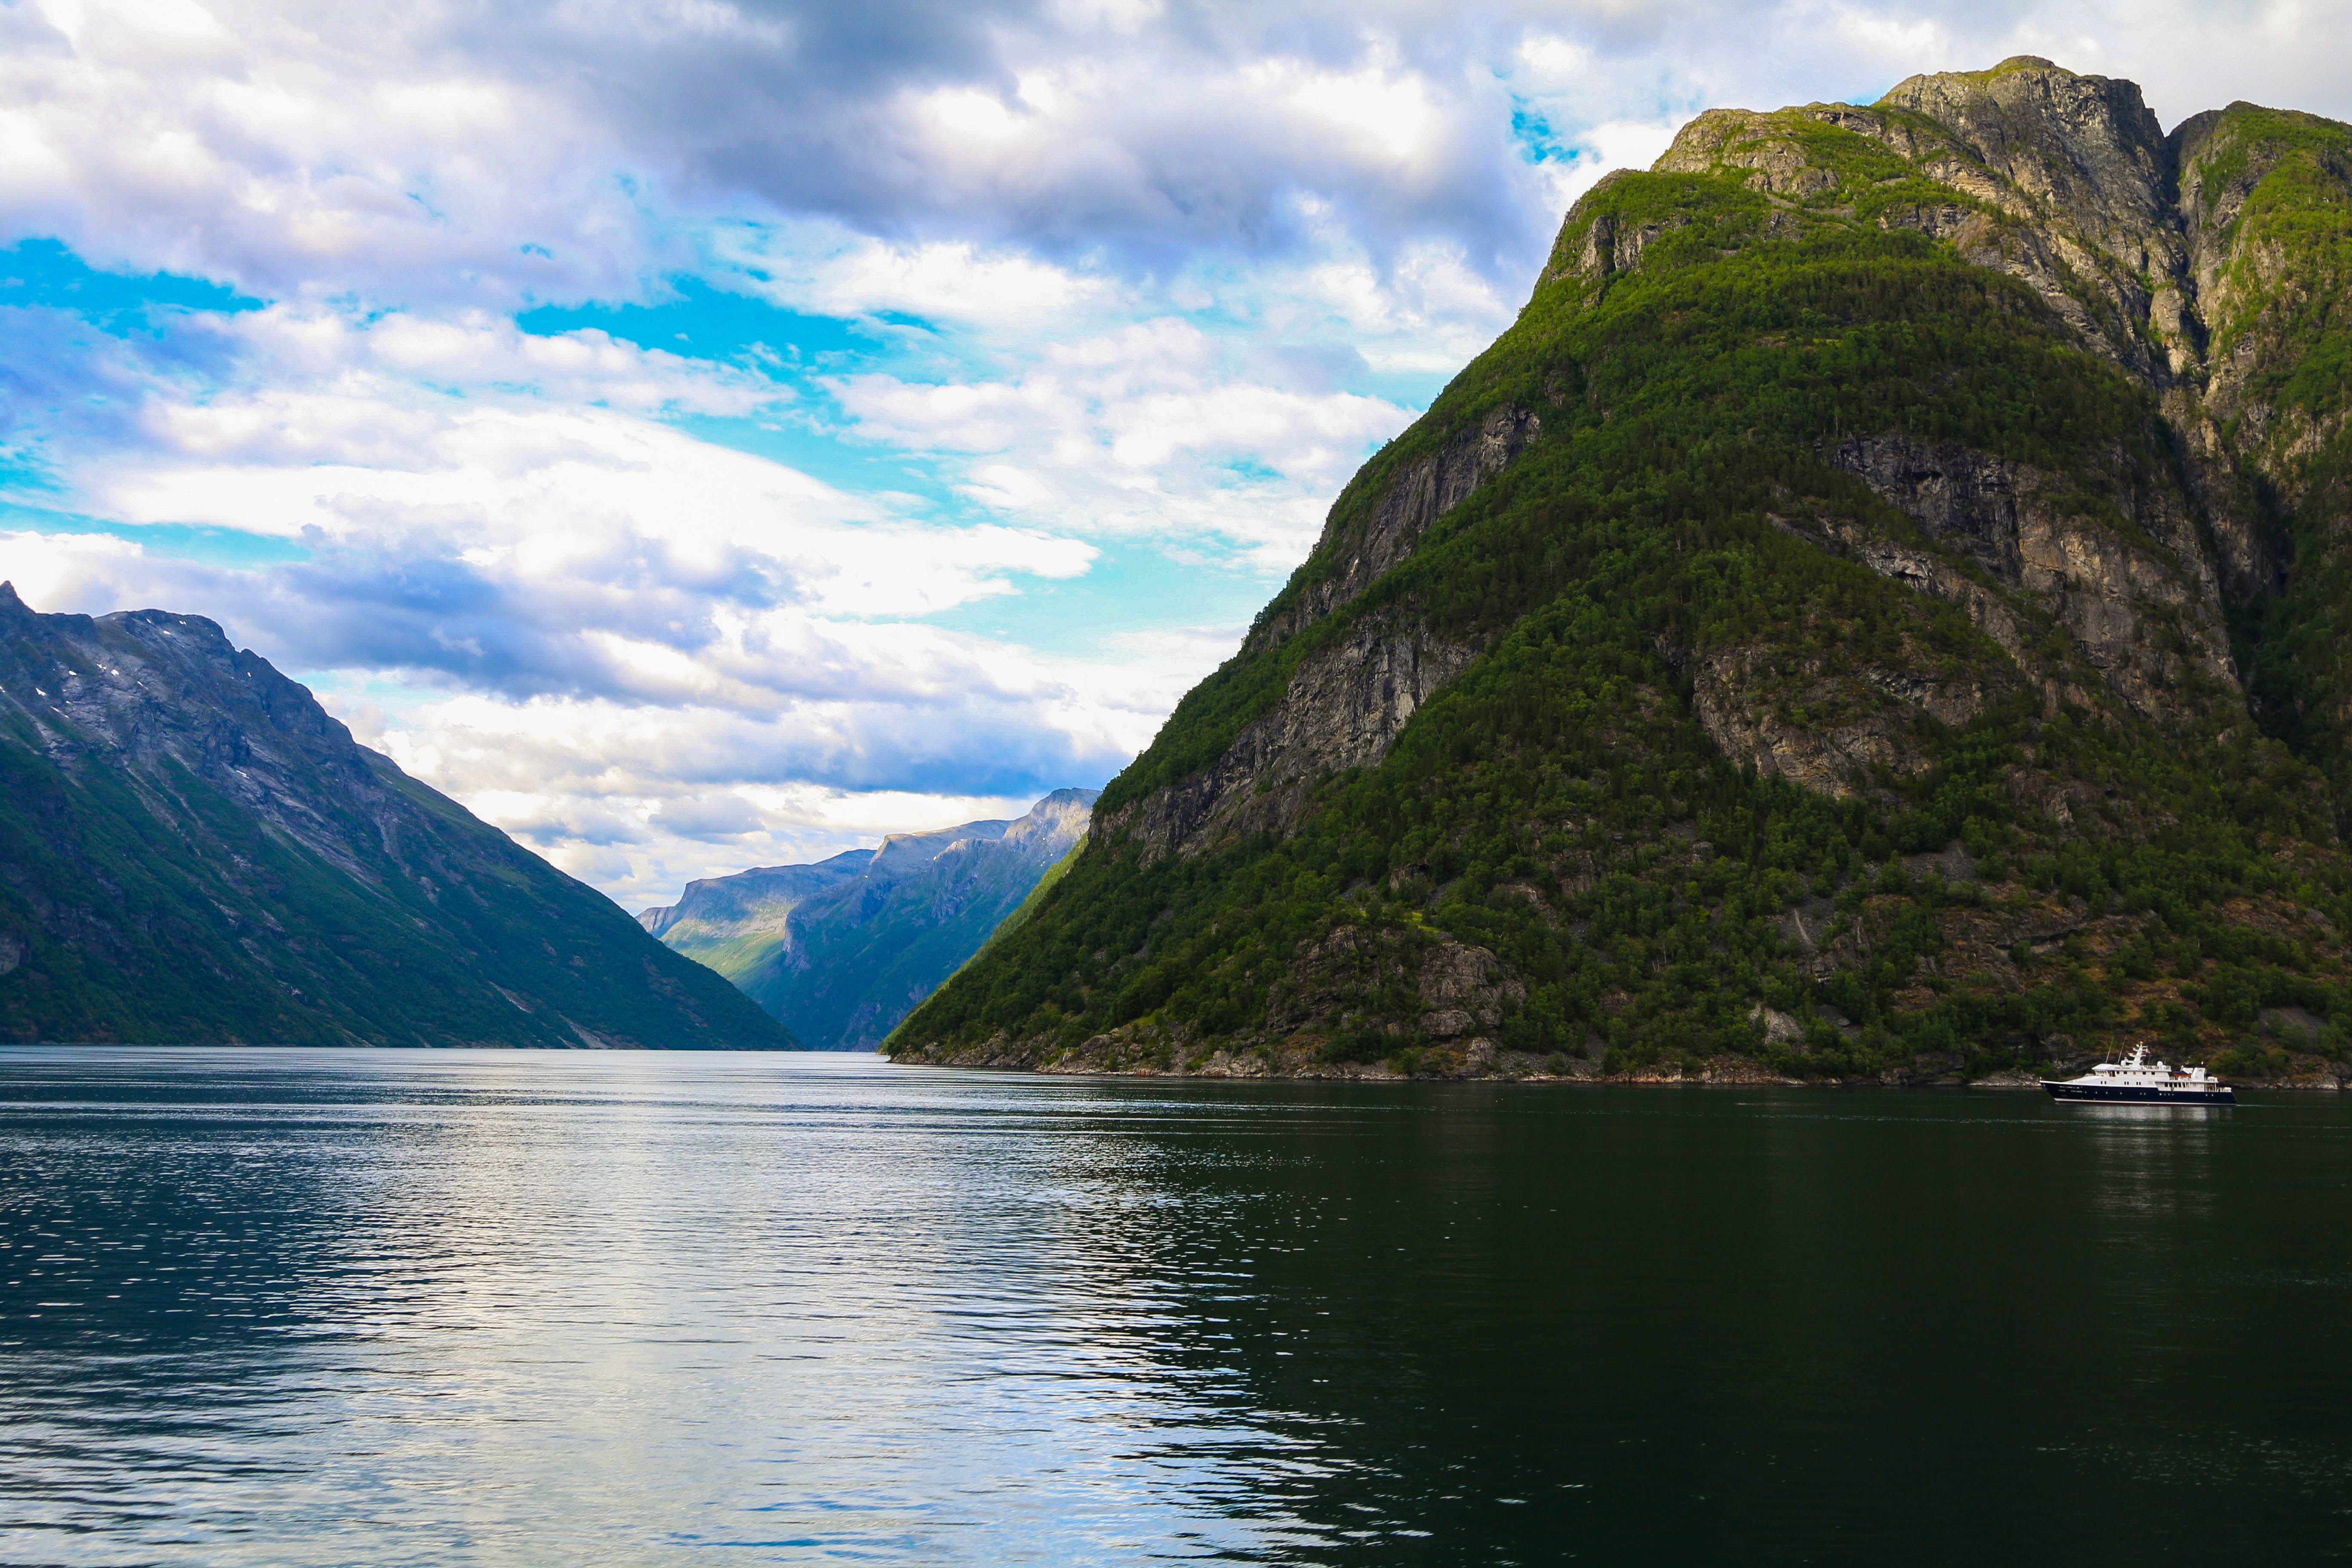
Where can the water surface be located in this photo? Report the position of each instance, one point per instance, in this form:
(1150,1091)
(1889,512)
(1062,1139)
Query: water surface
(319,1307)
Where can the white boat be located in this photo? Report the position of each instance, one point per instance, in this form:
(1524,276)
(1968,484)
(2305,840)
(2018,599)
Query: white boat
(2135,1079)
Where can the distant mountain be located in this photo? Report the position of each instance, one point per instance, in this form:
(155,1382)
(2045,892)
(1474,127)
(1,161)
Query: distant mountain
(842,950)
(193,851)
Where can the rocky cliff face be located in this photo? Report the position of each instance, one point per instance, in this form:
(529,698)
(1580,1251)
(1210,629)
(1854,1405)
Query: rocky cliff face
(193,851)
(1347,699)
(839,950)
(1928,514)
(1341,709)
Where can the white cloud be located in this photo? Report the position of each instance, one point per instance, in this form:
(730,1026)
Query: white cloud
(643,798)
(1378,110)
(411,153)
(521,542)
(352,154)
(823,267)
(1141,433)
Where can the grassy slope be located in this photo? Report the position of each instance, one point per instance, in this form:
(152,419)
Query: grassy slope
(1561,806)
(734,957)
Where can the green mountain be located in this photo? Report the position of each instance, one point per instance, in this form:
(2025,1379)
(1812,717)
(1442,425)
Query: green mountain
(193,852)
(839,950)
(1874,615)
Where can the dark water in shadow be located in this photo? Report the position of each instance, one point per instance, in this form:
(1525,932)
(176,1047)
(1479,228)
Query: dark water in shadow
(407,1307)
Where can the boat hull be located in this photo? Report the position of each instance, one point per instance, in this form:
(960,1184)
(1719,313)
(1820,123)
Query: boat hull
(2139,1094)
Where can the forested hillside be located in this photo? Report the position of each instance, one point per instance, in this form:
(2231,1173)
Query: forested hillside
(1874,615)
(193,852)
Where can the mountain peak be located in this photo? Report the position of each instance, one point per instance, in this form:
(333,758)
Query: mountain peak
(2026,105)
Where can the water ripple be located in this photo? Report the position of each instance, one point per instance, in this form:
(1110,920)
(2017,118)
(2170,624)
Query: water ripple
(310,1308)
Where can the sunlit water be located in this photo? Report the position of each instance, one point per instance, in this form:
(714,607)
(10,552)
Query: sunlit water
(325,1308)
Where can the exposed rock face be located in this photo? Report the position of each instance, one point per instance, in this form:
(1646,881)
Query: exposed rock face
(1462,987)
(1427,488)
(2087,146)
(1611,246)
(1343,709)
(193,851)
(839,950)
(2068,183)
(1347,702)
(2146,227)
(2079,157)
(1854,720)
(1465,990)
(1737,139)
(2144,618)
(2063,180)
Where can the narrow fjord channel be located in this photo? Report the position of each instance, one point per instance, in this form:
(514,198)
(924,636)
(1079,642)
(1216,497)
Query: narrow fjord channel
(314,1307)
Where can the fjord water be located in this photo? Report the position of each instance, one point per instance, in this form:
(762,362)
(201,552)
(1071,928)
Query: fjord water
(531,1308)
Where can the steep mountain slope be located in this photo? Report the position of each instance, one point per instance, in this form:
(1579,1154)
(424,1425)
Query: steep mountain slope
(839,950)
(1874,615)
(191,851)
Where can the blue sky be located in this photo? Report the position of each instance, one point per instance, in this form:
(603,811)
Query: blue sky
(700,434)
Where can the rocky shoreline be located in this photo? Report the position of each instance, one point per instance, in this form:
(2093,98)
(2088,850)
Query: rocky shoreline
(1481,1061)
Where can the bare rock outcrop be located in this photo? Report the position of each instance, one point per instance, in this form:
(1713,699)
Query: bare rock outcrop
(2083,164)
(1347,702)
(2087,149)
(1423,492)
(1343,709)
(1822,727)
(2149,619)
(1465,989)
(1607,246)
(1777,162)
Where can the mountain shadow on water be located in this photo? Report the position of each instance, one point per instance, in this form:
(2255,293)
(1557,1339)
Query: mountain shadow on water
(191,851)
(1874,616)
(839,950)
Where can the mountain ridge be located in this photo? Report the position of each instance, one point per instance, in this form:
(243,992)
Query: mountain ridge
(193,851)
(1740,667)
(839,950)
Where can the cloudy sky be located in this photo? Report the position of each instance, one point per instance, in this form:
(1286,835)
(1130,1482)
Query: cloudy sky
(699,434)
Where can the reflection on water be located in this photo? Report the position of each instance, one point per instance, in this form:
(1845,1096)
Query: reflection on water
(2170,1115)
(325,1306)
(2154,1160)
